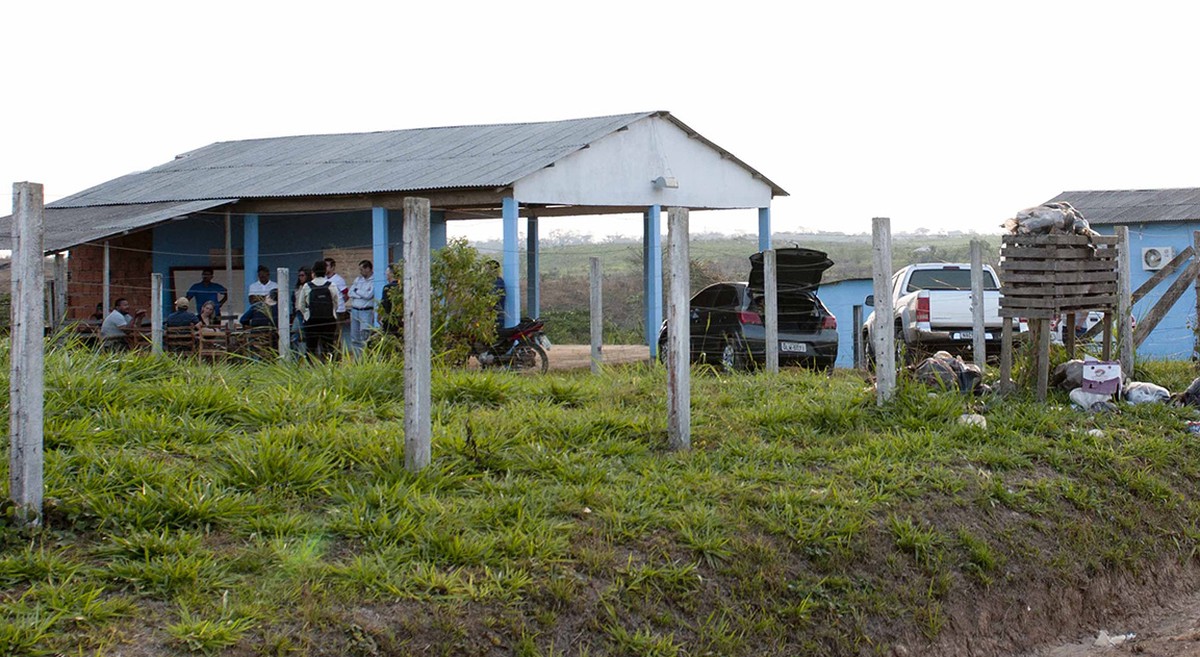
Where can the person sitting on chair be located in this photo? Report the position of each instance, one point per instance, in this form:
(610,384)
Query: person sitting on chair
(118,322)
(261,313)
(182,315)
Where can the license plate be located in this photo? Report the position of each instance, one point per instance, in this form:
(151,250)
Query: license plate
(543,341)
(793,347)
(969,335)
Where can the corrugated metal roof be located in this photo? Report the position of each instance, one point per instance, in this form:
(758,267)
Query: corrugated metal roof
(358,163)
(1135,206)
(363,163)
(73,226)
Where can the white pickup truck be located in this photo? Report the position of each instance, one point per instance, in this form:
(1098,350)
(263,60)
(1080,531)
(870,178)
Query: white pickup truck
(931,307)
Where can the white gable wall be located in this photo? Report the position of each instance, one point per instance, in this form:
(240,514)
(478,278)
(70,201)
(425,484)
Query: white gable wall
(617,170)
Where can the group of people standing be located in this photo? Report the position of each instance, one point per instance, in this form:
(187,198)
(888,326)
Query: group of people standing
(327,310)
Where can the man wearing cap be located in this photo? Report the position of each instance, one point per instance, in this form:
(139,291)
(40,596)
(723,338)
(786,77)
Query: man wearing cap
(262,311)
(207,290)
(182,315)
(263,286)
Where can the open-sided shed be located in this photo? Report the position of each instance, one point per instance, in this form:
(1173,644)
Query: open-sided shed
(287,201)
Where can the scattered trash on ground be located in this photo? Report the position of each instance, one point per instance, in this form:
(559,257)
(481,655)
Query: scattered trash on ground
(1068,375)
(1092,402)
(1141,392)
(973,420)
(1103,640)
(942,370)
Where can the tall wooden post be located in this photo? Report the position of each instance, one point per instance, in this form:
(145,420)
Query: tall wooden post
(884,338)
(1043,358)
(1196,284)
(977,304)
(107,281)
(771,308)
(156,313)
(417,336)
(284,305)
(1125,353)
(228,269)
(679,339)
(1006,354)
(26,390)
(60,289)
(860,350)
(597,314)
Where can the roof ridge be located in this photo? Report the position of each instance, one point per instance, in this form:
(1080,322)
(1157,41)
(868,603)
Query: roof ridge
(441,127)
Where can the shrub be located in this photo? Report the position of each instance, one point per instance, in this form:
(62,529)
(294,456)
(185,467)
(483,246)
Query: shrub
(463,302)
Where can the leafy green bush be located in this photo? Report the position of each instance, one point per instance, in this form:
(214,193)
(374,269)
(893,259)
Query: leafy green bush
(463,301)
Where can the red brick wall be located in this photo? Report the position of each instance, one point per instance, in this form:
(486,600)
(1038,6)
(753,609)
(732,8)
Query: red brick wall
(130,265)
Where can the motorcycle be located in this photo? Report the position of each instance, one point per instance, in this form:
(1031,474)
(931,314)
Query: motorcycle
(520,348)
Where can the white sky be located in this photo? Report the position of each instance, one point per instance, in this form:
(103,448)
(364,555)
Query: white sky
(942,115)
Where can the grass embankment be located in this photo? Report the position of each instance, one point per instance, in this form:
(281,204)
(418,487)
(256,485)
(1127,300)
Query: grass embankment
(263,509)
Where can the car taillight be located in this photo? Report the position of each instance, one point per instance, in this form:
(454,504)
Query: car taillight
(830,322)
(923,308)
(747,317)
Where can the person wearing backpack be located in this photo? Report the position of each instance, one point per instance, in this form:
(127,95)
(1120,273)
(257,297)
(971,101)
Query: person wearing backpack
(317,302)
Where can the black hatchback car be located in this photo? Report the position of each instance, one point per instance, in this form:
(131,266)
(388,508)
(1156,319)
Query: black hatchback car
(727,318)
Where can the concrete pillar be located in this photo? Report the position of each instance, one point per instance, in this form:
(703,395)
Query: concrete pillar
(764,228)
(379,249)
(249,254)
(652,274)
(437,229)
(533,268)
(512,262)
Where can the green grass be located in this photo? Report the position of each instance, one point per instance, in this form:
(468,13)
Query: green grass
(260,508)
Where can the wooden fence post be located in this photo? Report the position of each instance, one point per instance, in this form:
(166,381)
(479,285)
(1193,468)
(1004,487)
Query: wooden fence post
(1196,327)
(417,336)
(977,304)
(771,309)
(26,392)
(597,316)
(860,354)
(1125,353)
(679,382)
(107,281)
(60,290)
(156,316)
(284,305)
(884,337)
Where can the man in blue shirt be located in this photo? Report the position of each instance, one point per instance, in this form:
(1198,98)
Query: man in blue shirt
(207,290)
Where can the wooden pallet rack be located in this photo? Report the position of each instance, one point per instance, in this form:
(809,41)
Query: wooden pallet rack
(1044,276)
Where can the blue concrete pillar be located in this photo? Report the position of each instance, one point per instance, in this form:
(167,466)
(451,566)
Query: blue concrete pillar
(652,274)
(379,249)
(509,211)
(532,269)
(764,228)
(437,229)
(249,253)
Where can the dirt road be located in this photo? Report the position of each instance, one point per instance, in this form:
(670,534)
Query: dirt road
(579,356)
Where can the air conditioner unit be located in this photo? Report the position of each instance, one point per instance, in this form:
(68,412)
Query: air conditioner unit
(1156,257)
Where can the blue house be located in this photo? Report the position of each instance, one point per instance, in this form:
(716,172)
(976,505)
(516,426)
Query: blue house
(1161,223)
(840,297)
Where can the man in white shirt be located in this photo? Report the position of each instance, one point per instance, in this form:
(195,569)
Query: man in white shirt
(263,286)
(362,306)
(113,330)
(343,294)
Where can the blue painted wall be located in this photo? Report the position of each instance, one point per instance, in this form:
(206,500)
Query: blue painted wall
(1172,339)
(840,298)
(291,241)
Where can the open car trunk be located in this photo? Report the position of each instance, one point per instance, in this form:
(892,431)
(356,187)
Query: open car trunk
(799,312)
(797,270)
